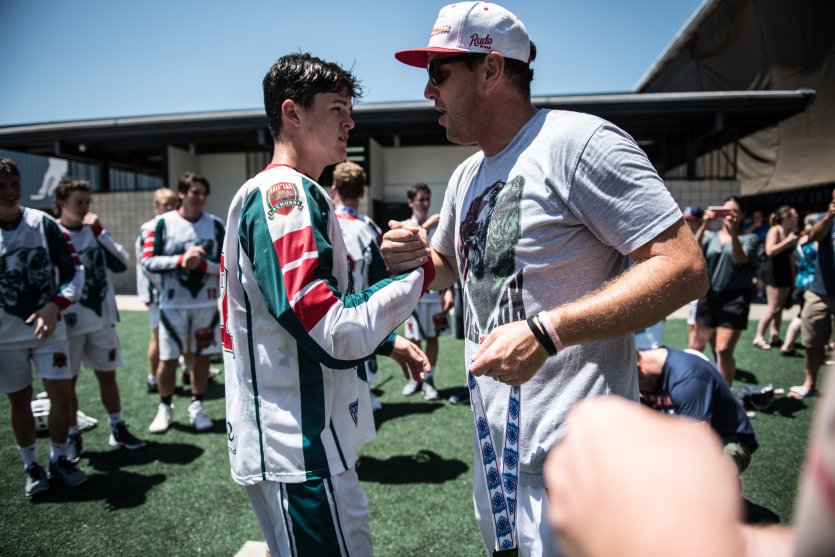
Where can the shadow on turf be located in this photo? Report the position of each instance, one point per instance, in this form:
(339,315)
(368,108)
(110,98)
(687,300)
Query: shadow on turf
(117,488)
(394,410)
(168,453)
(423,467)
(786,406)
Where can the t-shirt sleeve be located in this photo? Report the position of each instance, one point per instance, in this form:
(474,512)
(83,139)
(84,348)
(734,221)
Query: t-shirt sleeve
(443,241)
(617,194)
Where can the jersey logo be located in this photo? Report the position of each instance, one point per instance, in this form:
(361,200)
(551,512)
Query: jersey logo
(95,278)
(354,407)
(282,197)
(71,319)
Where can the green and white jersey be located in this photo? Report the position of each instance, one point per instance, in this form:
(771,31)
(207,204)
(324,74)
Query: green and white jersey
(38,264)
(292,336)
(98,252)
(168,241)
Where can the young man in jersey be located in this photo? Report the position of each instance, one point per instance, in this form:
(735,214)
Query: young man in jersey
(429,320)
(91,321)
(164,200)
(185,250)
(539,225)
(40,275)
(292,338)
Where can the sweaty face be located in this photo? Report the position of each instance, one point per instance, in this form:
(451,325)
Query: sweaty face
(458,101)
(326,125)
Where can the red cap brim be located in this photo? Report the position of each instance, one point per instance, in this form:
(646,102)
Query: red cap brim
(419,57)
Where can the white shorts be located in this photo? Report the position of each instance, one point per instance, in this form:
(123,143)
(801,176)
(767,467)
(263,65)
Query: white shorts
(533,532)
(188,330)
(318,517)
(421,324)
(153,316)
(98,350)
(51,359)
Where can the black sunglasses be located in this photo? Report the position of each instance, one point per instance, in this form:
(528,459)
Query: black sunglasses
(433,67)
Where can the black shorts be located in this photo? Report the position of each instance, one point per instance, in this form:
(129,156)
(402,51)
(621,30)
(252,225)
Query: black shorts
(724,309)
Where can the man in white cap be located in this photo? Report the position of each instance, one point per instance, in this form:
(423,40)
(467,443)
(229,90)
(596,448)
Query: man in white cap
(539,226)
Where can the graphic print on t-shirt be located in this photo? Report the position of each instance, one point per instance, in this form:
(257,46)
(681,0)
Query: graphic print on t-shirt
(25,281)
(193,280)
(95,278)
(489,233)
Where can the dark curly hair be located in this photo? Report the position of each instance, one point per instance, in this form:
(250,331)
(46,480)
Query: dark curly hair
(299,77)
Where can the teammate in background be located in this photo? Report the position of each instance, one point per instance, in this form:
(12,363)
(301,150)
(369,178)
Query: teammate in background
(165,200)
(429,320)
(292,336)
(688,384)
(539,225)
(184,249)
(40,276)
(91,321)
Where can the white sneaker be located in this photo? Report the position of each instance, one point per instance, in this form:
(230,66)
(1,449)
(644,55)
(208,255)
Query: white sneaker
(411,387)
(429,390)
(376,405)
(162,421)
(197,417)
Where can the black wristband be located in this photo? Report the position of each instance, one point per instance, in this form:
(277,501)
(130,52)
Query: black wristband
(542,336)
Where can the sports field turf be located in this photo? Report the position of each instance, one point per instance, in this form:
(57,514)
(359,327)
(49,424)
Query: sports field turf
(175,496)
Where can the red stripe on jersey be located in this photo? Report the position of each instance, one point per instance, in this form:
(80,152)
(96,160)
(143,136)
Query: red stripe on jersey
(297,278)
(73,253)
(314,305)
(292,247)
(148,245)
(346,216)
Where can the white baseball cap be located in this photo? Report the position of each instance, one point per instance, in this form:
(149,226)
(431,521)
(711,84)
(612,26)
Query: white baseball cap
(477,27)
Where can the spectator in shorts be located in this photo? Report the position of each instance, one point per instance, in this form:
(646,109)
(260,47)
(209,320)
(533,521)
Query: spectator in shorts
(819,303)
(722,313)
(40,275)
(184,249)
(146,288)
(91,321)
(778,277)
(687,384)
(805,255)
(429,320)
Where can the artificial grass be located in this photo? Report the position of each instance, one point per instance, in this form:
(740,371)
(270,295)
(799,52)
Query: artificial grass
(175,497)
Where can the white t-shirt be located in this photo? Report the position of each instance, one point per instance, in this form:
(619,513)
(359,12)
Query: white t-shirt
(551,218)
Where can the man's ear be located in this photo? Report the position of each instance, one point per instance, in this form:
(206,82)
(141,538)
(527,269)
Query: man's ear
(493,70)
(291,113)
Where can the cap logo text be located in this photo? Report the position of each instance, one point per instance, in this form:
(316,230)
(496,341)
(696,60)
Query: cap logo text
(485,42)
(440,30)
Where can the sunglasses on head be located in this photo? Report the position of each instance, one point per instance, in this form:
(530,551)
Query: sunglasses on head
(433,67)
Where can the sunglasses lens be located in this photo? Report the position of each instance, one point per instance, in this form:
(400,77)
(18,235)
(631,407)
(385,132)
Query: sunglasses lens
(434,73)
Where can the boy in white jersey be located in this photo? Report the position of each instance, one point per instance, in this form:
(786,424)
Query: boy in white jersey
(164,200)
(362,241)
(184,251)
(429,320)
(91,321)
(292,338)
(39,276)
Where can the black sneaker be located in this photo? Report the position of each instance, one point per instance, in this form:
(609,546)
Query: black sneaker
(36,481)
(75,447)
(121,437)
(152,387)
(461,397)
(66,471)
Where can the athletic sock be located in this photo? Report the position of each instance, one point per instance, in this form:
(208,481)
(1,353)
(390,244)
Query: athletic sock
(198,398)
(115,418)
(57,450)
(166,400)
(29,455)
(429,376)
(152,379)
(74,430)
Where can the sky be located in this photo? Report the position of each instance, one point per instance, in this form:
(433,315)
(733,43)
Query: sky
(90,59)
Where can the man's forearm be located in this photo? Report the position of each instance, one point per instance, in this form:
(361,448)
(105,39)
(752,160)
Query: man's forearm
(641,296)
(446,273)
